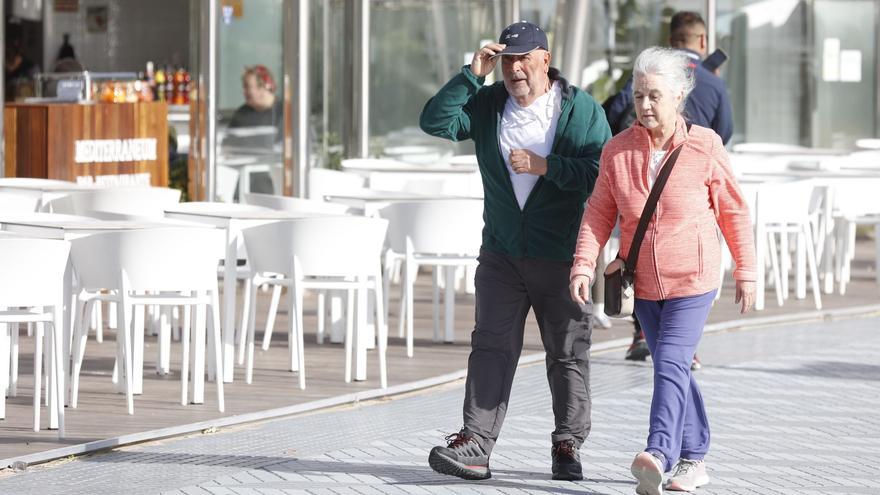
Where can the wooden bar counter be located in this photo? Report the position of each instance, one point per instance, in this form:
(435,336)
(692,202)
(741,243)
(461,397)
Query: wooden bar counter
(111,143)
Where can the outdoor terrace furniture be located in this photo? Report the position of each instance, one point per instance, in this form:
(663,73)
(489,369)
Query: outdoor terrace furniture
(143,201)
(443,233)
(784,209)
(337,253)
(32,271)
(324,182)
(232,218)
(153,267)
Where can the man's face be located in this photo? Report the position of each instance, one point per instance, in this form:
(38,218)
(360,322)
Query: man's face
(526,74)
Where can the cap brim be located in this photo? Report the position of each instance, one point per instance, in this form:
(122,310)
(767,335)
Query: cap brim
(517,50)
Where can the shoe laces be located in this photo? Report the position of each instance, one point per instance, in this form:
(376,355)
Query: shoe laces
(685,466)
(565,447)
(457,440)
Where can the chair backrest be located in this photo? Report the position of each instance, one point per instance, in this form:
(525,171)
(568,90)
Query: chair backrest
(208,206)
(20,201)
(364,166)
(143,201)
(436,184)
(295,205)
(32,271)
(328,246)
(323,181)
(449,226)
(856,197)
(784,202)
(171,259)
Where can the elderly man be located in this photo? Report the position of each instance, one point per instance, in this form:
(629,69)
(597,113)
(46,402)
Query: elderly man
(538,141)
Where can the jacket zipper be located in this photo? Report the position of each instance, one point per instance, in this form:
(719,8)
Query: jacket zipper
(656,218)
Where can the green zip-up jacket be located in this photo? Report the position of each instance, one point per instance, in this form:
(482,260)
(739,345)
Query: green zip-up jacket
(547,226)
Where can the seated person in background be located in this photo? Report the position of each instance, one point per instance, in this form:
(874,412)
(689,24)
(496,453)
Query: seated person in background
(261,109)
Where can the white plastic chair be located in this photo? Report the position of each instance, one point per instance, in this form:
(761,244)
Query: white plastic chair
(32,271)
(154,267)
(853,202)
(292,205)
(442,233)
(20,201)
(143,201)
(784,209)
(324,182)
(340,253)
(295,205)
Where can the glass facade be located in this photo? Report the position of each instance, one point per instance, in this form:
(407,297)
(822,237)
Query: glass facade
(799,71)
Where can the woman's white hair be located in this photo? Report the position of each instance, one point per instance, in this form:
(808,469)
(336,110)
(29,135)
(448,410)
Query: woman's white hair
(670,64)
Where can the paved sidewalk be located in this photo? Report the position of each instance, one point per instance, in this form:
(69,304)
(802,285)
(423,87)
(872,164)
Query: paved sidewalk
(794,410)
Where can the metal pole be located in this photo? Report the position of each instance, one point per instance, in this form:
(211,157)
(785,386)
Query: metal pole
(514,11)
(296,96)
(2,91)
(362,78)
(711,22)
(573,41)
(208,94)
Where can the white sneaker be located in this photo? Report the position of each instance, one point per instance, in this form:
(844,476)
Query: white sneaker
(648,471)
(688,476)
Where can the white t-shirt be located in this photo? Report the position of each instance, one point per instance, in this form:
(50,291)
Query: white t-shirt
(654,167)
(532,128)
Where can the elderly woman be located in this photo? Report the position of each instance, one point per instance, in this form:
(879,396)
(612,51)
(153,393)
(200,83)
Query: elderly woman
(677,274)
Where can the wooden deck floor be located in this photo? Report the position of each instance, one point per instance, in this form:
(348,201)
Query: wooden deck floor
(101,412)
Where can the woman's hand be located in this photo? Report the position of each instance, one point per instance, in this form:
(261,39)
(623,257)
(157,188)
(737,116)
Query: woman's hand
(615,265)
(745,295)
(580,289)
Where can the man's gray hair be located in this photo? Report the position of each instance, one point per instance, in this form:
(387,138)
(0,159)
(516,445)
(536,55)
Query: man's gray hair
(670,64)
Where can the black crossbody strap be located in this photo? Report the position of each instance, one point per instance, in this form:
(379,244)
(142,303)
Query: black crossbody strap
(651,205)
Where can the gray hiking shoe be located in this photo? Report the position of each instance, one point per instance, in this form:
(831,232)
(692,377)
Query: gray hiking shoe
(462,457)
(688,476)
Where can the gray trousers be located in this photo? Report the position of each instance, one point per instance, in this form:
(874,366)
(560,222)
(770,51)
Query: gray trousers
(506,288)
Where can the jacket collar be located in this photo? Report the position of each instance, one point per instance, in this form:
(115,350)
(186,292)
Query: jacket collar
(680,136)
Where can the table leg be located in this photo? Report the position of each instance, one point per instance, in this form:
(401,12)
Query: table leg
(228,326)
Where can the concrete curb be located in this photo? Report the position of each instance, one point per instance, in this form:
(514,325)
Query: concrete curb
(366,395)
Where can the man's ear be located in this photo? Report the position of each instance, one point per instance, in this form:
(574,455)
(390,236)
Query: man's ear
(547,58)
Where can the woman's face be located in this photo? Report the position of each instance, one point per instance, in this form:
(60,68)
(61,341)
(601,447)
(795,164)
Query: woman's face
(656,104)
(255,95)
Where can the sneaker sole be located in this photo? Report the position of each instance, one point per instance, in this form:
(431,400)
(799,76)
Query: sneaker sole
(647,474)
(444,465)
(675,486)
(568,476)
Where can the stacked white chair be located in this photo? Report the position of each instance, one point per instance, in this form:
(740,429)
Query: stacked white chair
(162,267)
(785,209)
(142,201)
(443,233)
(324,182)
(32,271)
(20,201)
(339,253)
(854,202)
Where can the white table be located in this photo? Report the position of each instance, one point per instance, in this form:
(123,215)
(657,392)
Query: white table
(233,221)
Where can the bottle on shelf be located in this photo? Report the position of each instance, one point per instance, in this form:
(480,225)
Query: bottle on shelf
(160,85)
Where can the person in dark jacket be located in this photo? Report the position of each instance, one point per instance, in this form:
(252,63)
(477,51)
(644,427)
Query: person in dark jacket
(708,106)
(538,141)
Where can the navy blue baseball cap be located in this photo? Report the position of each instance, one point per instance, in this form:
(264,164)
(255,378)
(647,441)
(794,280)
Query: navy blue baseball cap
(522,37)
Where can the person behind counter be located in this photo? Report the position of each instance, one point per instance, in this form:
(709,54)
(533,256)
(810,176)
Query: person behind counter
(261,108)
(19,70)
(260,112)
